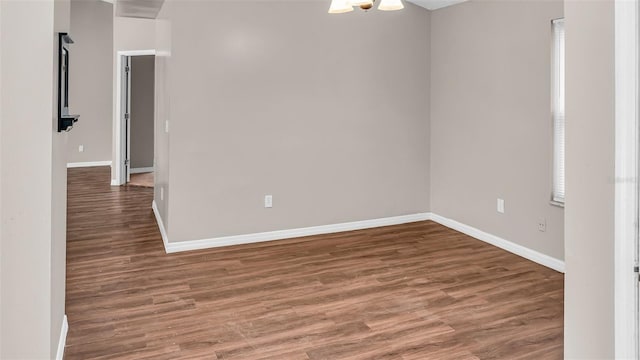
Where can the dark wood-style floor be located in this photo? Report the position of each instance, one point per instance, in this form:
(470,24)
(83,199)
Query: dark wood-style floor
(414,291)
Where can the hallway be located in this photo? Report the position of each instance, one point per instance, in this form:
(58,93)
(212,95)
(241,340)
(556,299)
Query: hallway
(413,291)
(112,244)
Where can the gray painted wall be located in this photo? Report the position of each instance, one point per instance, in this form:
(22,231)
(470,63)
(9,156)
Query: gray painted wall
(491,119)
(2,235)
(98,36)
(91,80)
(142,111)
(62,23)
(332,119)
(32,181)
(590,111)
(162,106)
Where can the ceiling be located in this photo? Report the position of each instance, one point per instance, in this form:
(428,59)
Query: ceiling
(149,9)
(435,4)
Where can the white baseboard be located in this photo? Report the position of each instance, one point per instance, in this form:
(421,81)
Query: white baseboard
(141,170)
(63,338)
(286,234)
(163,230)
(88,164)
(535,256)
(115,183)
(504,244)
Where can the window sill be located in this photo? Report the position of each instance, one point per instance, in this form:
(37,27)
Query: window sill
(557,203)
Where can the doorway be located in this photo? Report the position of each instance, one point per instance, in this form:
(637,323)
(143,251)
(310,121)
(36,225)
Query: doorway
(135,143)
(140,125)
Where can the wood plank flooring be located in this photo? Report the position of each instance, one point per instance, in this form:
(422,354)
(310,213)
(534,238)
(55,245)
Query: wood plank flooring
(141,179)
(414,291)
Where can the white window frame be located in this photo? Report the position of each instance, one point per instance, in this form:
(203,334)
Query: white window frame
(558,111)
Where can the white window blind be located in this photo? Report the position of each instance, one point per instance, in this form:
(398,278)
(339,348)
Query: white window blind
(558,111)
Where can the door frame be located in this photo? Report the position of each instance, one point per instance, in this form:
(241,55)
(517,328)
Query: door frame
(118,169)
(125,115)
(627,19)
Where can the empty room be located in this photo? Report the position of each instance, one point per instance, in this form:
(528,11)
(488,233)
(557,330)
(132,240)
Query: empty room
(319,179)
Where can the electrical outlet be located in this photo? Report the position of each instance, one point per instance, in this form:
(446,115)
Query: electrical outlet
(268,201)
(542,224)
(500,206)
(81,148)
(161,193)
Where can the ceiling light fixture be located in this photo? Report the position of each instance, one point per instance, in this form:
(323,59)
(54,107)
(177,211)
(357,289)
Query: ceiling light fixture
(343,6)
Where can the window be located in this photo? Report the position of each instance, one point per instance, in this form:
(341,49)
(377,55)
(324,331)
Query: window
(558,111)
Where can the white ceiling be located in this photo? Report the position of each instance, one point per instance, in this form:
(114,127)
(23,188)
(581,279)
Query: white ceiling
(147,9)
(436,4)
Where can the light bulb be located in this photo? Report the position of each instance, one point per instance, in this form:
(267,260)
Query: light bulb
(390,5)
(340,6)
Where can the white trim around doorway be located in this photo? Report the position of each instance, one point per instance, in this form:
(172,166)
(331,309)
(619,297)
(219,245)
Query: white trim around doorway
(117,168)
